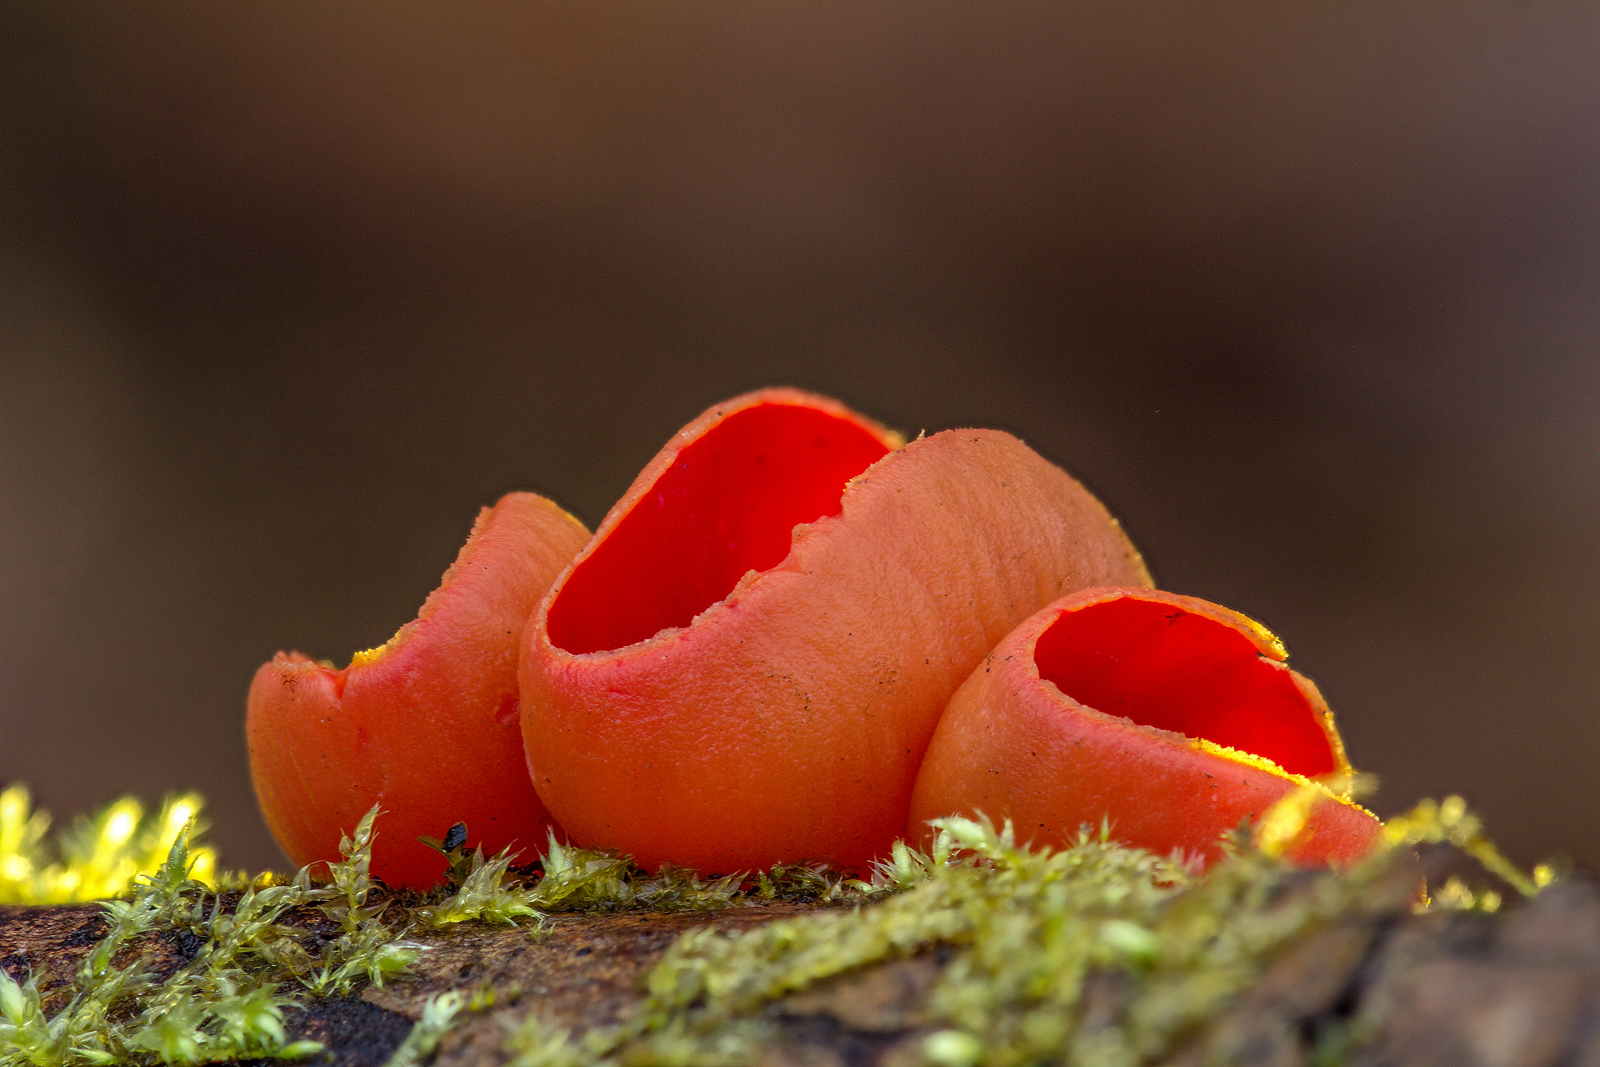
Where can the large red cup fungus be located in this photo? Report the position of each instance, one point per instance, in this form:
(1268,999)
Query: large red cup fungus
(1171,717)
(426,725)
(745,664)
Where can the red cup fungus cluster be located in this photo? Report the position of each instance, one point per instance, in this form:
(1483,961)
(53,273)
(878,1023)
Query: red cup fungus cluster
(797,638)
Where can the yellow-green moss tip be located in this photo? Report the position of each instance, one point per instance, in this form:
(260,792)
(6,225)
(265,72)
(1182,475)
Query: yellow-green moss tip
(101,856)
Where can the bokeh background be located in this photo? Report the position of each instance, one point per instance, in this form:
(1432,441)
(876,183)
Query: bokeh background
(1306,292)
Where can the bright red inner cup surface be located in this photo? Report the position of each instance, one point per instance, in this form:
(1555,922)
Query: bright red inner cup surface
(1161,666)
(726,506)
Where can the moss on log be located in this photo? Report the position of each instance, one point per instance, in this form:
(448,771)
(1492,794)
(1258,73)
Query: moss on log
(1372,982)
(983,952)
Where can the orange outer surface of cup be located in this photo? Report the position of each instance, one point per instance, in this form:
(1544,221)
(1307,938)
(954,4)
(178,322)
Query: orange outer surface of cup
(426,724)
(1014,746)
(786,720)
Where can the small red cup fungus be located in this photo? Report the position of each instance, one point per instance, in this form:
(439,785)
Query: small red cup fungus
(426,725)
(1171,717)
(744,666)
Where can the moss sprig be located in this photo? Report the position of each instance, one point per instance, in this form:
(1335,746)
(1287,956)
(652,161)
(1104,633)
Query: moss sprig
(438,1015)
(1449,821)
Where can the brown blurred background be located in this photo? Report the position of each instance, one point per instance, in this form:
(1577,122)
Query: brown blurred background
(1307,292)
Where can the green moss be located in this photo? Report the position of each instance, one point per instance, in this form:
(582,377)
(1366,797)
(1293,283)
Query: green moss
(229,1000)
(1023,933)
(252,965)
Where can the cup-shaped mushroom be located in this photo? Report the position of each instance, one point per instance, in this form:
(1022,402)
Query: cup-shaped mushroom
(1171,718)
(746,663)
(426,725)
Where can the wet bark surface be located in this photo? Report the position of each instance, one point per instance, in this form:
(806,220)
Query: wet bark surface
(1515,988)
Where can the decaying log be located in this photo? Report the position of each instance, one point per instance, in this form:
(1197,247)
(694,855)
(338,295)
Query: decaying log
(1515,988)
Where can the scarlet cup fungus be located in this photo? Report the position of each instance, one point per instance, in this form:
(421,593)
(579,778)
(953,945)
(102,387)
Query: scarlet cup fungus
(1171,717)
(425,725)
(744,666)
(794,638)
